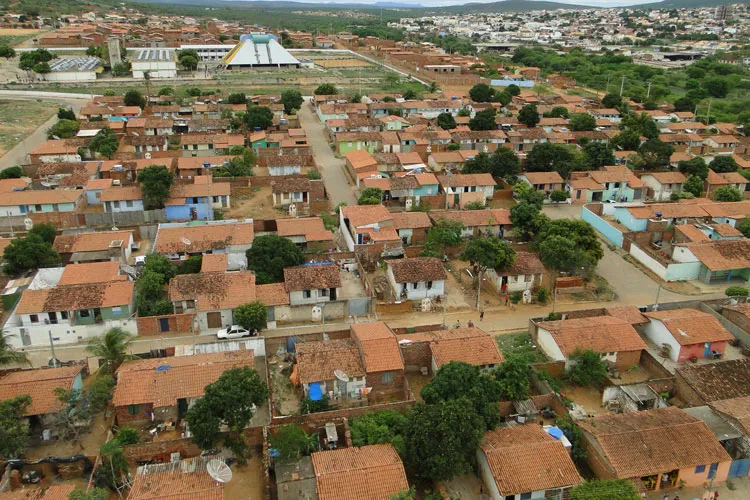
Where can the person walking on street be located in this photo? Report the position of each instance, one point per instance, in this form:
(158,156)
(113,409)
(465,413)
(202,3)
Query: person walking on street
(481,315)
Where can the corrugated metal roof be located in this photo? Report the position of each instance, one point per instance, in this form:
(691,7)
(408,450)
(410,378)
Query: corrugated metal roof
(64,64)
(248,53)
(154,55)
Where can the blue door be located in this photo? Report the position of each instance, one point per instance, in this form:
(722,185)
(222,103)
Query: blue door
(164,324)
(739,468)
(712,470)
(707,350)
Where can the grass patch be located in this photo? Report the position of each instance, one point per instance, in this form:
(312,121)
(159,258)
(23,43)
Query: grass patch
(520,345)
(18,119)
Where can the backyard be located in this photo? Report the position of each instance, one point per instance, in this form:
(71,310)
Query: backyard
(18,119)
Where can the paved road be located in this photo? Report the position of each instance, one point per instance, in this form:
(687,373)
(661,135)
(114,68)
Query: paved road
(632,286)
(17,155)
(332,168)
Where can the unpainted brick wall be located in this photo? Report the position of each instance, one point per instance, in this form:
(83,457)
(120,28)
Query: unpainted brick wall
(151,325)
(147,451)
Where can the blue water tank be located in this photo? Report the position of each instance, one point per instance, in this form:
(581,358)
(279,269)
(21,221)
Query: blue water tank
(316,394)
(555,432)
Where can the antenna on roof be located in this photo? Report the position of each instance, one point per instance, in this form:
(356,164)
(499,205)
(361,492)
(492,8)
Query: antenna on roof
(219,471)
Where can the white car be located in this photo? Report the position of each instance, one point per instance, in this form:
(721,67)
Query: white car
(233,332)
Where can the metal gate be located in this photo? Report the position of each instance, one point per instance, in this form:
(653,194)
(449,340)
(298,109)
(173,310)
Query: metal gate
(214,319)
(739,468)
(359,306)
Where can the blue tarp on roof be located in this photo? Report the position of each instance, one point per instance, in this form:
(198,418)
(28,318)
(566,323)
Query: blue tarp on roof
(315,393)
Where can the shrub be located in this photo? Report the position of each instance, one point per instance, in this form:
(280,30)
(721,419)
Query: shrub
(737,291)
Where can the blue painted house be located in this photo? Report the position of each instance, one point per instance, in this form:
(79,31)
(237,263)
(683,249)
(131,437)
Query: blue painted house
(197,200)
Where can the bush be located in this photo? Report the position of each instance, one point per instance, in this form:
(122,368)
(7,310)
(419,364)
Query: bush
(127,435)
(307,405)
(473,205)
(559,196)
(589,370)
(737,291)
(516,297)
(542,295)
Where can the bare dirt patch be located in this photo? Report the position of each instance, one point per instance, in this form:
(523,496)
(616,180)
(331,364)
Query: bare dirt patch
(18,119)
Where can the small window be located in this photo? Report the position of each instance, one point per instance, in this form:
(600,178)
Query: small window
(525,496)
(64,314)
(34,318)
(415,285)
(84,313)
(528,277)
(323,292)
(700,469)
(134,409)
(129,203)
(386,378)
(429,285)
(116,310)
(306,294)
(116,204)
(190,304)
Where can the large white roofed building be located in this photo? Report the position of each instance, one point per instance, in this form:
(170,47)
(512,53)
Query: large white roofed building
(259,51)
(73,69)
(158,63)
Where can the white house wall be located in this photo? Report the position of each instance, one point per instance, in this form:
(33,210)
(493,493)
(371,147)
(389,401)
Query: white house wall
(548,345)
(62,333)
(657,333)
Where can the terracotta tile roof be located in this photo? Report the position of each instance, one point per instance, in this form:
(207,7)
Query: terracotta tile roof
(90,242)
(543,177)
(312,228)
(723,255)
(54,492)
(365,215)
(201,187)
(40,384)
(646,442)
(8,185)
(692,233)
(76,297)
(631,314)
(203,237)
(272,294)
(109,165)
(585,183)
(317,360)
(291,185)
(447,157)
(93,272)
(4,242)
(736,209)
(600,334)
(525,458)
(464,180)
(726,230)
(474,218)
(97,184)
(380,351)
(214,262)
(373,472)
(125,193)
(525,263)
(737,409)
(415,269)
(740,308)
(666,177)
(41,197)
(311,277)
(214,291)
(691,326)
(184,480)
(386,233)
(668,211)
(411,220)
(469,345)
(163,381)
(716,381)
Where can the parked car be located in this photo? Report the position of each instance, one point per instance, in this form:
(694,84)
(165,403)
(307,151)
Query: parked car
(234,332)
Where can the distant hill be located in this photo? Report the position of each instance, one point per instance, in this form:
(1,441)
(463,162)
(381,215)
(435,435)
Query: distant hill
(507,6)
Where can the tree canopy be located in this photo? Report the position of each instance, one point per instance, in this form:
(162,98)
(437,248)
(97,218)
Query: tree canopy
(379,428)
(587,369)
(693,185)
(292,100)
(529,116)
(370,196)
(446,121)
(156,183)
(292,442)
(481,92)
(582,122)
(501,163)
(29,253)
(134,98)
(269,255)
(111,349)
(605,489)
(696,166)
(443,234)
(105,142)
(722,164)
(258,117)
(14,431)
(488,253)
(483,120)
(326,89)
(513,379)
(251,316)
(726,193)
(63,129)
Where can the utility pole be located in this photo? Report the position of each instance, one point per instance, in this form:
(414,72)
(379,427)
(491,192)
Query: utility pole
(622,85)
(52,348)
(648,92)
(606,90)
(708,112)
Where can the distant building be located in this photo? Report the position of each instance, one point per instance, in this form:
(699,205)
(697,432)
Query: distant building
(158,63)
(259,50)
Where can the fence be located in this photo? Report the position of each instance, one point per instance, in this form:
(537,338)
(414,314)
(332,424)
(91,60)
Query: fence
(125,219)
(601,225)
(170,323)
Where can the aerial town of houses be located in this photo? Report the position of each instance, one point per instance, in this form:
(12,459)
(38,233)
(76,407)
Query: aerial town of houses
(473,272)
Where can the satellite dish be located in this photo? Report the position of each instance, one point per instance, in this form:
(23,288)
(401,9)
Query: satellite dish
(340,375)
(185,241)
(219,471)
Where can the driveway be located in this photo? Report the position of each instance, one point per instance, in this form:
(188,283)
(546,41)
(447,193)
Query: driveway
(632,286)
(17,155)
(331,168)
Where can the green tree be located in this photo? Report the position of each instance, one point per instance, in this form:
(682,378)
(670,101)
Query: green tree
(93,494)
(529,116)
(127,436)
(443,234)
(526,193)
(627,140)
(611,101)
(160,264)
(292,442)
(192,265)
(409,95)
(193,92)
(379,428)
(526,218)
(684,104)
(464,112)
(655,154)
(557,112)
(190,63)
(45,231)
(743,226)
(642,124)
(105,143)
(370,196)
(501,163)
(588,369)
(446,121)
(548,157)
(326,89)
(156,183)
(481,92)
(11,173)
(487,253)
(134,98)
(27,254)
(441,439)
(292,100)
(694,167)
(503,98)
(63,129)
(559,195)
(258,117)
(8,355)
(251,316)
(237,98)
(513,379)
(693,185)
(582,122)
(737,291)
(716,87)
(114,469)
(79,406)
(484,120)
(166,91)
(269,255)
(236,167)
(228,401)
(723,164)
(120,69)
(578,232)
(726,193)
(513,89)
(7,52)
(14,431)
(94,51)
(42,68)
(561,254)
(66,114)
(462,381)
(598,155)
(111,349)
(605,489)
